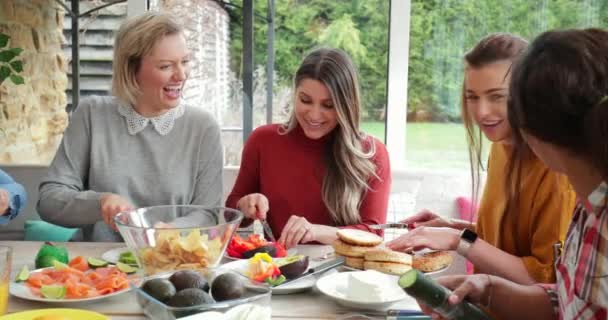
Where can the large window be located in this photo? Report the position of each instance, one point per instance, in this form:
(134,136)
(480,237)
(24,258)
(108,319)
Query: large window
(441,31)
(358,27)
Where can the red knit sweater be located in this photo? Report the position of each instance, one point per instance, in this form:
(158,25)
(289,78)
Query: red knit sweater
(289,169)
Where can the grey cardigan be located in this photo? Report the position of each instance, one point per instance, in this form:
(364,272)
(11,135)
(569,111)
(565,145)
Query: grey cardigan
(97,154)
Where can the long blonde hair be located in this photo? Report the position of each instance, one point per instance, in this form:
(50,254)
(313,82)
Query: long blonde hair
(348,160)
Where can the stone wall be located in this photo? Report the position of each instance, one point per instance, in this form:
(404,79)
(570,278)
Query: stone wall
(32,116)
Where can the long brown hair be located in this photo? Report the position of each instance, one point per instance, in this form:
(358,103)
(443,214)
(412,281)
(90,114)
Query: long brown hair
(560,93)
(348,161)
(491,49)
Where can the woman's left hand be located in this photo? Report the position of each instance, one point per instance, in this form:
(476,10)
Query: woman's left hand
(426,237)
(296,230)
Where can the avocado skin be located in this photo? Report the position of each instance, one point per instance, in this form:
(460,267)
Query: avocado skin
(161,289)
(227,286)
(190,297)
(294,269)
(270,249)
(185,279)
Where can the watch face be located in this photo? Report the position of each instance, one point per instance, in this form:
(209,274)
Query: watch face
(468,235)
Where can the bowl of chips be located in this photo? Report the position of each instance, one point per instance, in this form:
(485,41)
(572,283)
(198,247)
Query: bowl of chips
(176,237)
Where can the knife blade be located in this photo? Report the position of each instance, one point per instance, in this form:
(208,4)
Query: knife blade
(338,261)
(393,225)
(268,231)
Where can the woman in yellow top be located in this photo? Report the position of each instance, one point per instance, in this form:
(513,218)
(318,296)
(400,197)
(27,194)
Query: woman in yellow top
(525,208)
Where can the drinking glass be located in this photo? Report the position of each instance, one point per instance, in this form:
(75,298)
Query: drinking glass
(5,273)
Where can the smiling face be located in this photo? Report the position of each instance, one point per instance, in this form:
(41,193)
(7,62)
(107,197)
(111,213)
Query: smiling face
(486,92)
(162,74)
(314,109)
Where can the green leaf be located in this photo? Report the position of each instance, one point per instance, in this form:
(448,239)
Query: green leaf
(16,51)
(7,55)
(17,66)
(5,72)
(17,79)
(3,40)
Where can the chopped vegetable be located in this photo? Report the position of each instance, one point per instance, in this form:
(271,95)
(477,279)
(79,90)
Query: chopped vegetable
(238,246)
(275,281)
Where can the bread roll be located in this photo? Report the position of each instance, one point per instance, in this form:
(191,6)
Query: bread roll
(345,249)
(353,262)
(388,255)
(359,237)
(432,261)
(387,267)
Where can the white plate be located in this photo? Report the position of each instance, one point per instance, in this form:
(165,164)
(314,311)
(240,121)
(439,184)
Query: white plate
(240,266)
(113,255)
(290,252)
(20,290)
(335,286)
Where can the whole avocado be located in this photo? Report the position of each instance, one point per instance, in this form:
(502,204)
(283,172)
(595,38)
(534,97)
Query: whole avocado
(185,279)
(161,289)
(190,297)
(227,286)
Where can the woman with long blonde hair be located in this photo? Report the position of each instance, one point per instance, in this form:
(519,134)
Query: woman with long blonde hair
(318,172)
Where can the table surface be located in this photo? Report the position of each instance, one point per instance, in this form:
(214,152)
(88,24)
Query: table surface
(307,305)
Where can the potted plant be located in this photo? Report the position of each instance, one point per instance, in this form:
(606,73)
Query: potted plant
(9,66)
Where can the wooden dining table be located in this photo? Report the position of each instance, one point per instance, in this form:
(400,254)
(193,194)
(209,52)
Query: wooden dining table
(311,304)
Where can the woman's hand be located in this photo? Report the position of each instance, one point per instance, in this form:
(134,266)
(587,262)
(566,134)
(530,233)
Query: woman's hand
(3,202)
(112,204)
(475,288)
(254,206)
(426,237)
(296,230)
(426,218)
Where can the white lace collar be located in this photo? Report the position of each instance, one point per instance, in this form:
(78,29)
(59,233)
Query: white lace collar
(162,124)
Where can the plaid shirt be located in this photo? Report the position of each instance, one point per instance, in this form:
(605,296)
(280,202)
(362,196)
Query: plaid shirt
(582,270)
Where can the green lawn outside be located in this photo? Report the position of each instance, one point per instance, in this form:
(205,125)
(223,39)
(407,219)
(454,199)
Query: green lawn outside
(430,145)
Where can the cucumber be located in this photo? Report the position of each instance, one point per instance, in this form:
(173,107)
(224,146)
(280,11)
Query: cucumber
(429,292)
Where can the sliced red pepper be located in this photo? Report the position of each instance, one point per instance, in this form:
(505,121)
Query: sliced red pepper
(281,252)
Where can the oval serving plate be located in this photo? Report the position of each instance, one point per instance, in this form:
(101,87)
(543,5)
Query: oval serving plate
(241,265)
(20,290)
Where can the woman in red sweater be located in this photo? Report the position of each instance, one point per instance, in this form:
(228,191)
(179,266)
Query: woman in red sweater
(318,172)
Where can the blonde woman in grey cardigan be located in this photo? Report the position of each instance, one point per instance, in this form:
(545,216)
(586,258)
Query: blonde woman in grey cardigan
(140,147)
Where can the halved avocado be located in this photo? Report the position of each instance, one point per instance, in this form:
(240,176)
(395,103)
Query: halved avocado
(295,266)
(270,249)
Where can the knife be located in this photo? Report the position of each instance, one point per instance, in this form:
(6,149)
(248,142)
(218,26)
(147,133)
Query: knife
(393,225)
(314,270)
(268,231)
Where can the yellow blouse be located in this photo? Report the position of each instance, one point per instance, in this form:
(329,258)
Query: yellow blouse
(547,201)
